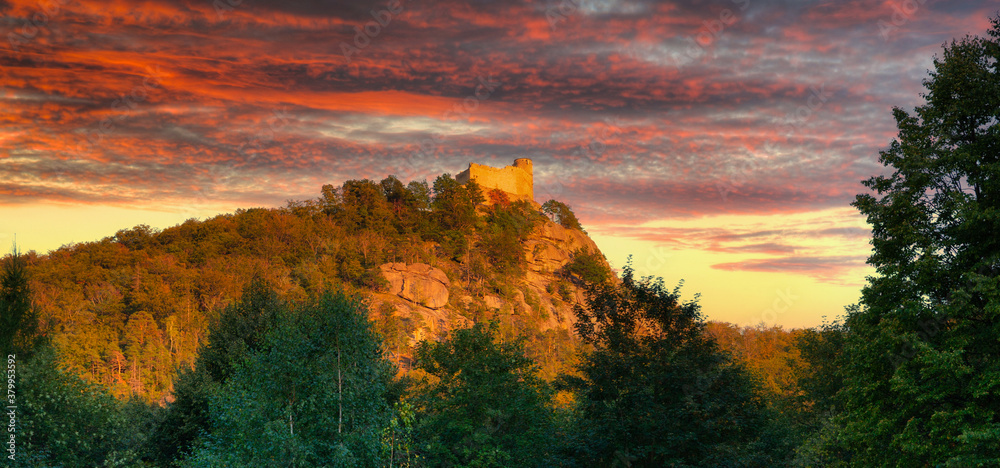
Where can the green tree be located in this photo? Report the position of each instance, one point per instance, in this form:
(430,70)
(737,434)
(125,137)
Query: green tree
(819,377)
(18,319)
(656,390)
(562,214)
(66,421)
(454,204)
(484,406)
(454,216)
(922,357)
(317,394)
(502,236)
(365,206)
(240,329)
(586,266)
(239,332)
(421,194)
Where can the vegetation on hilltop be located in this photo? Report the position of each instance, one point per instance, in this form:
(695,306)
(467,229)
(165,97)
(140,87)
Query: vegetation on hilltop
(129,310)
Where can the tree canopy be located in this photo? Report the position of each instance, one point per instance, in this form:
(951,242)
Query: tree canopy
(484,404)
(922,374)
(656,390)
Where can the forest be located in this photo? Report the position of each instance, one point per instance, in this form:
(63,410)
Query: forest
(251,339)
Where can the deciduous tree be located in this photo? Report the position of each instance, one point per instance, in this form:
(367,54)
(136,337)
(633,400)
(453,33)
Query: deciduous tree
(656,390)
(484,406)
(923,359)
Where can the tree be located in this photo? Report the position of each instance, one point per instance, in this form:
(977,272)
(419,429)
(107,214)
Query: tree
(454,213)
(66,421)
(239,332)
(656,390)
(561,214)
(364,206)
(506,228)
(407,203)
(586,266)
(819,378)
(18,319)
(923,360)
(485,405)
(318,393)
(455,204)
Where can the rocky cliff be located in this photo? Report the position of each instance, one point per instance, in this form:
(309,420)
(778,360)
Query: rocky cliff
(431,299)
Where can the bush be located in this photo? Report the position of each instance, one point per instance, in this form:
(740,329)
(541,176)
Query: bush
(586,266)
(561,214)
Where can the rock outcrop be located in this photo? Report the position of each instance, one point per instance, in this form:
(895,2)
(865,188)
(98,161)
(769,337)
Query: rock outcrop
(419,283)
(550,247)
(429,305)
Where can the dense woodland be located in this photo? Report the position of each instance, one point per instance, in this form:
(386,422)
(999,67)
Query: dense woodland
(248,339)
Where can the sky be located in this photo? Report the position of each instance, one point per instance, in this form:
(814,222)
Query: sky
(719,142)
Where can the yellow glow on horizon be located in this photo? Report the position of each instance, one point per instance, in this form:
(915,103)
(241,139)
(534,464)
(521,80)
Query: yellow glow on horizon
(751,297)
(47,227)
(737,296)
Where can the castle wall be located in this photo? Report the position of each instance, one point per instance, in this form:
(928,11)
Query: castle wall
(516,180)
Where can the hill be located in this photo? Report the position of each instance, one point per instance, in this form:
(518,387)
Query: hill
(129,310)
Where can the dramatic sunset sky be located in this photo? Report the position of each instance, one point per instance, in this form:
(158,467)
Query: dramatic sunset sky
(717,141)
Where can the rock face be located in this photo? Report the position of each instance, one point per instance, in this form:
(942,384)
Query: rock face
(550,246)
(419,283)
(418,293)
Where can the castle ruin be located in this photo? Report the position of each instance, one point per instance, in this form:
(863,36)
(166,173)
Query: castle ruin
(517,180)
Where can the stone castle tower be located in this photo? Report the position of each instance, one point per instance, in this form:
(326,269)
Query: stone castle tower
(517,180)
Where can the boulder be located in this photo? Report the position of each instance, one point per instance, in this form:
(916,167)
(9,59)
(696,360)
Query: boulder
(492,302)
(419,283)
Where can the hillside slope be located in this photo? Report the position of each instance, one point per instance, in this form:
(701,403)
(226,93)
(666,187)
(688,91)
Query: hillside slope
(431,299)
(127,311)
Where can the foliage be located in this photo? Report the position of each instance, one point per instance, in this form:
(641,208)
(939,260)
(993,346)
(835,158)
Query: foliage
(656,390)
(65,421)
(454,214)
(18,319)
(239,332)
(316,394)
(485,405)
(185,419)
(561,214)
(768,352)
(506,228)
(587,267)
(921,376)
(455,204)
(819,377)
(398,440)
